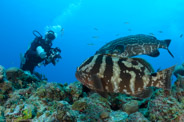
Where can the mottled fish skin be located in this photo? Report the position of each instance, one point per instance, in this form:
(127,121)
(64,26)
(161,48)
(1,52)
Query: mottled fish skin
(134,45)
(121,75)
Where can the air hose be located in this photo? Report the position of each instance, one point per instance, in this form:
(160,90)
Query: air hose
(37,34)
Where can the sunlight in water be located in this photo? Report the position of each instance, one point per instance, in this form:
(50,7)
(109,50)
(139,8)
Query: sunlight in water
(68,12)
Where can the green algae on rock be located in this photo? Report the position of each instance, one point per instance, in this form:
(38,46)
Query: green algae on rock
(131,106)
(164,109)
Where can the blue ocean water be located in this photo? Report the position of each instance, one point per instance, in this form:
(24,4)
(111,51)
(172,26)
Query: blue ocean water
(87,25)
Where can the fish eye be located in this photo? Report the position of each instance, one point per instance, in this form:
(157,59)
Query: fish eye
(115,51)
(154,74)
(119,49)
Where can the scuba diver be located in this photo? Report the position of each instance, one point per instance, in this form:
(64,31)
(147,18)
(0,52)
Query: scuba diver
(40,52)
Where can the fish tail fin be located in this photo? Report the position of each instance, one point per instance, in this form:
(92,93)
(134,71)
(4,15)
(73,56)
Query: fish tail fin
(170,53)
(168,41)
(162,79)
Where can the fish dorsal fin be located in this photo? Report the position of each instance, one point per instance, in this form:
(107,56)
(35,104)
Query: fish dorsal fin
(97,83)
(113,55)
(155,53)
(159,69)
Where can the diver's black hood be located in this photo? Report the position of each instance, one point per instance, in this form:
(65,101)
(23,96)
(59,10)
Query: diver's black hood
(50,35)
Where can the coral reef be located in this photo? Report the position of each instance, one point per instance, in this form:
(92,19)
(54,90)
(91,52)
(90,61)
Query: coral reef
(2,73)
(179,70)
(27,97)
(131,106)
(137,117)
(164,109)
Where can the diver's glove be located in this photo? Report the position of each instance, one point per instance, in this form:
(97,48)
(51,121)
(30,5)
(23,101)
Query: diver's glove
(43,55)
(41,52)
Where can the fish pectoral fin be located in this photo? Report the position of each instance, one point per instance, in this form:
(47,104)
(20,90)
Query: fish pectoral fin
(103,94)
(119,49)
(155,53)
(146,93)
(97,82)
(159,69)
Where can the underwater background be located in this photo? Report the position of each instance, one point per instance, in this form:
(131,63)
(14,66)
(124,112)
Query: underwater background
(83,26)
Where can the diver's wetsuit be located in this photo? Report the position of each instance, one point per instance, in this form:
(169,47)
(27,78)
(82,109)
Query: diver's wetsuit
(31,57)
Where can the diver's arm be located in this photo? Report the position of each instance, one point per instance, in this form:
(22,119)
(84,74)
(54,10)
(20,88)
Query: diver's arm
(38,52)
(41,52)
(32,53)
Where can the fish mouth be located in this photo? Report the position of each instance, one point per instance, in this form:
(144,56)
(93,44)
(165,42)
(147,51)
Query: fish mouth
(78,74)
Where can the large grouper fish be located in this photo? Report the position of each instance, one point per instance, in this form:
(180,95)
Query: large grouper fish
(134,45)
(114,74)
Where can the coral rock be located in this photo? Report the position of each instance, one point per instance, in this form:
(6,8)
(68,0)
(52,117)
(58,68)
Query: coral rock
(137,117)
(25,97)
(104,115)
(131,107)
(164,109)
(118,116)
(75,89)
(2,73)
(92,107)
(19,78)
